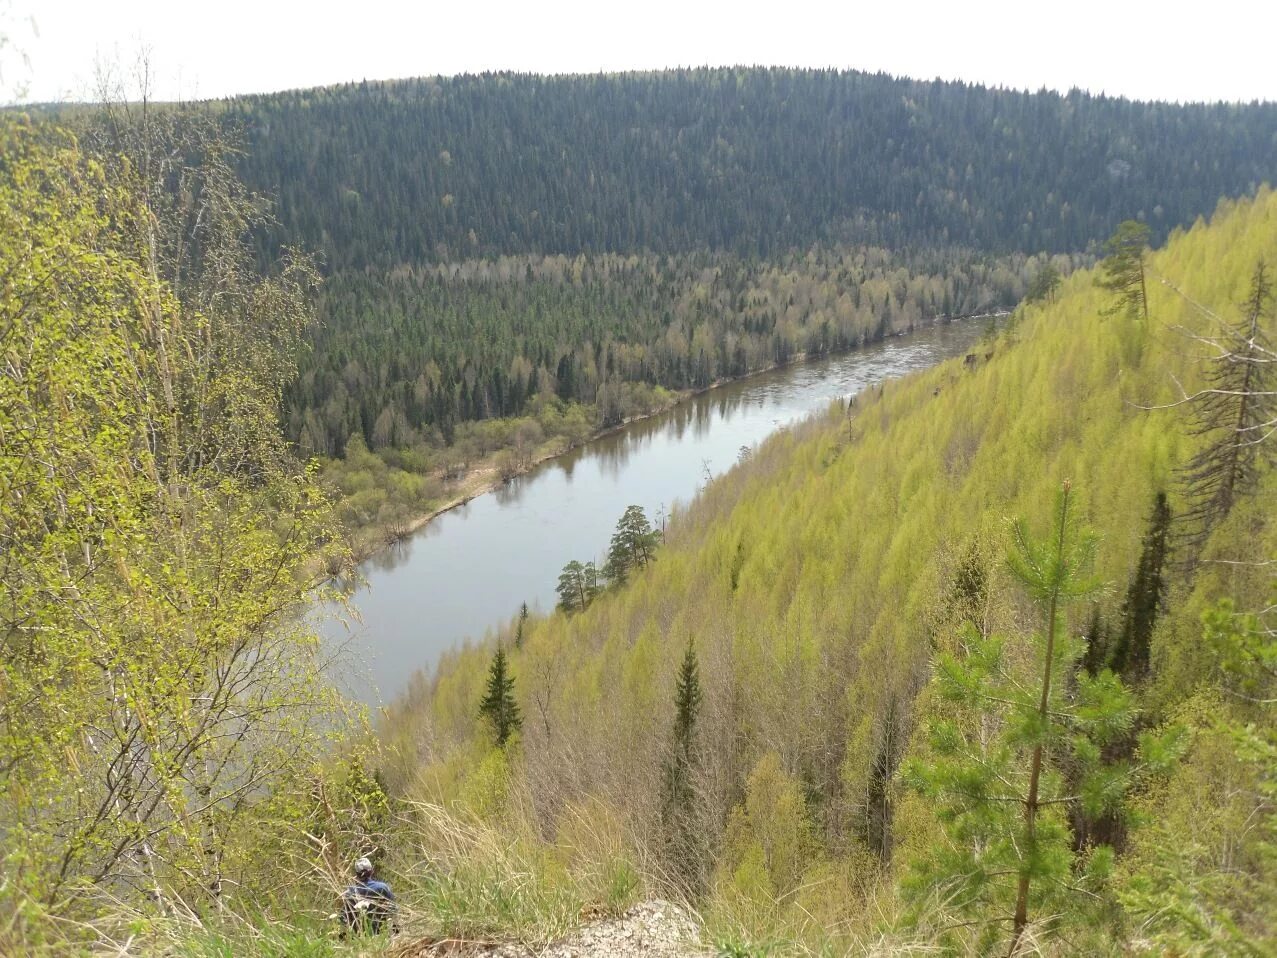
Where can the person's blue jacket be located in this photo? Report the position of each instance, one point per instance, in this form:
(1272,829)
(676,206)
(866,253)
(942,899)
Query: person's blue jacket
(367,904)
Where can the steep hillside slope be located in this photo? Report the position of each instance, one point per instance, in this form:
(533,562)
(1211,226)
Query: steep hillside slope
(815,582)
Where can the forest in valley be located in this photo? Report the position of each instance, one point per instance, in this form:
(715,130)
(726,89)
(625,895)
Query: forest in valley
(692,217)
(514,262)
(979,661)
(405,359)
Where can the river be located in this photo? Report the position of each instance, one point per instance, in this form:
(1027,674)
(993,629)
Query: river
(468,570)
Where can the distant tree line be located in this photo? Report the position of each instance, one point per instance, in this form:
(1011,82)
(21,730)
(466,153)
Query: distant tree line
(755,161)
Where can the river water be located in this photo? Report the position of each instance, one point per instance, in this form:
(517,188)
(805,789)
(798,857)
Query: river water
(468,570)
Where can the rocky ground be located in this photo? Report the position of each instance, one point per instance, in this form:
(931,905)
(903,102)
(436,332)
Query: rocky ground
(654,928)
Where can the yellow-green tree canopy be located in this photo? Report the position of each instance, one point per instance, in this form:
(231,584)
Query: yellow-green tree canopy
(157,687)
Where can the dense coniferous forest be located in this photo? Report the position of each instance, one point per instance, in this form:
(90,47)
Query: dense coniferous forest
(753,161)
(402,359)
(480,233)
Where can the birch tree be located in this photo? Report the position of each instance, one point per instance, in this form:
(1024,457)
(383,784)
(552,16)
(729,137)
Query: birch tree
(161,690)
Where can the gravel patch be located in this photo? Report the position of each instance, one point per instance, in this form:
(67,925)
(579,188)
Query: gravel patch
(657,929)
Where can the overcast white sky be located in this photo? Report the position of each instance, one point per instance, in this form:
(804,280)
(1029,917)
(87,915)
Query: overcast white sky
(1224,49)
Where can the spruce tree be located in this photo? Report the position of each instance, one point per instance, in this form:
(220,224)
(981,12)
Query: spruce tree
(498,705)
(1145,598)
(677,785)
(518,632)
(687,705)
(1097,634)
(1128,656)
(879,813)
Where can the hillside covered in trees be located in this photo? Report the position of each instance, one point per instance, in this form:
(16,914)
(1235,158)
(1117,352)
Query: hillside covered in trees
(759,162)
(402,360)
(559,254)
(817,709)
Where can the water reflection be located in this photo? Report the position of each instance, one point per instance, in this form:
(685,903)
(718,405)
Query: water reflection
(468,570)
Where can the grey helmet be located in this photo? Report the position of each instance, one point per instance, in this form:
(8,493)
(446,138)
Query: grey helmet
(363,868)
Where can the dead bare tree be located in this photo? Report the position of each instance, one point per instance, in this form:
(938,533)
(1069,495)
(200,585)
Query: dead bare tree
(1236,414)
(1236,411)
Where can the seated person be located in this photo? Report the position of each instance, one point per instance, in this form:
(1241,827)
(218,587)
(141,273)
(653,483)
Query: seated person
(368,905)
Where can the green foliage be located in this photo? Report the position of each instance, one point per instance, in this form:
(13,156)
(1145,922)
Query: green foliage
(819,579)
(766,160)
(464,281)
(578,344)
(687,851)
(267,939)
(995,762)
(479,878)
(499,706)
(347,815)
(1245,647)
(769,837)
(1122,269)
(687,703)
(521,625)
(485,792)
(578,586)
(1145,598)
(633,546)
(1044,284)
(1203,864)
(162,697)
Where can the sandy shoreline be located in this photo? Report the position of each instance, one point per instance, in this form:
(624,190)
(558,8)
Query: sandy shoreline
(484,478)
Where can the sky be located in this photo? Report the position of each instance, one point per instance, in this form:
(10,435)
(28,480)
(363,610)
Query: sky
(1165,50)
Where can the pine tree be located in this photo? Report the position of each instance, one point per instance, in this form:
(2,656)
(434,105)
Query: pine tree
(1016,714)
(578,586)
(1044,284)
(498,705)
(633,545)
(1123,269)
(1236,412)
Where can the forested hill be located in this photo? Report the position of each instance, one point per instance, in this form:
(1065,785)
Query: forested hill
(844,755)
(754,161)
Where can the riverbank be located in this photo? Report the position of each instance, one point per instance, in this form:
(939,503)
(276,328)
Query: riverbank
(489,474)
(470,571)
(486,477)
